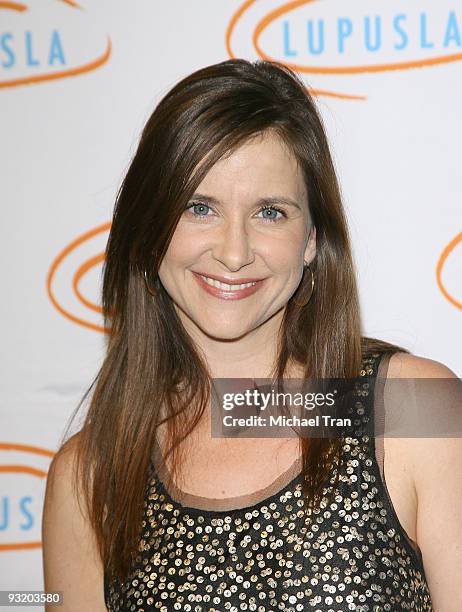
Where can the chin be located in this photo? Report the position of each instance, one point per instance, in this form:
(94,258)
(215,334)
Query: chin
(225,332)
(219,325)
(221,328)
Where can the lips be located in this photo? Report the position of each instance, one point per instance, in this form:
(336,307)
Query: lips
(228,289)
(229,281)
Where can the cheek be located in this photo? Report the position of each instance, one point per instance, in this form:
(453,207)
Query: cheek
(284,255)
(184,247)
(284,252)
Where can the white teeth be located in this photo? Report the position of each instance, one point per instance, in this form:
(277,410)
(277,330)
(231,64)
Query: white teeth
(225,286)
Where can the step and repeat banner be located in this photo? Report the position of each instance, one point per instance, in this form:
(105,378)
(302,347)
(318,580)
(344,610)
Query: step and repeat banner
(78,80)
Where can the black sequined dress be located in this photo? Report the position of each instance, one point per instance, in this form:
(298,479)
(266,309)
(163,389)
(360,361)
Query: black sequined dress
(354,555)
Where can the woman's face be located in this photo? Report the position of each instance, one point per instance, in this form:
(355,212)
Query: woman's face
(231,230)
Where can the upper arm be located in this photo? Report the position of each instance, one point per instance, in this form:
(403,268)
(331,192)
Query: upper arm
(70,559)
(436,468)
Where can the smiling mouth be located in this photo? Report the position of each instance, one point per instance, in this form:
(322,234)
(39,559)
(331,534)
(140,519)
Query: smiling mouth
(224,286)
(228,291)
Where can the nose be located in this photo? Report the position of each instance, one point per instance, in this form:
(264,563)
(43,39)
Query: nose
(233,244)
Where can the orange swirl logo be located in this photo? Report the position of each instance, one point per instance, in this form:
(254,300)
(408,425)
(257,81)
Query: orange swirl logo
(22,508)
(326,40)
(447,263)
(77,263)
(32,53)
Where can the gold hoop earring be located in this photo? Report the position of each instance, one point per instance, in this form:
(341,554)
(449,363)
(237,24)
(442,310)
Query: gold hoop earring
(305,301)
(154,293)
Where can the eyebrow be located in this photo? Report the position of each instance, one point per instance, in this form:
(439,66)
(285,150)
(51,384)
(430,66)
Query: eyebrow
(261,201)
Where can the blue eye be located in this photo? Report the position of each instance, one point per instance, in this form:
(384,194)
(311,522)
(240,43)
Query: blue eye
(197,206)
(200,210)
(265,209)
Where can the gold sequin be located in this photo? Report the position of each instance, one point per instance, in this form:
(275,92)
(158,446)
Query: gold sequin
(353,556)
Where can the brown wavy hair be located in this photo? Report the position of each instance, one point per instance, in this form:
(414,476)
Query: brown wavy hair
(151,363)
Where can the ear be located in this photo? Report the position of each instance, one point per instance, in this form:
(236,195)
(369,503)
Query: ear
(310,250)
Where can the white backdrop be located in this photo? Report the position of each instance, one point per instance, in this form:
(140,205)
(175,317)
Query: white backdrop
(77,83)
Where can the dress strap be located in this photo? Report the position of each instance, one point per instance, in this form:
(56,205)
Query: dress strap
(370,364)
(378,450)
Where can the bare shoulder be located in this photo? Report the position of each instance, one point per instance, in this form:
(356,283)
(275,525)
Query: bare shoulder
(64,459)
(61,471)
(71,562)
(426,456)
(435,466)
(406,365)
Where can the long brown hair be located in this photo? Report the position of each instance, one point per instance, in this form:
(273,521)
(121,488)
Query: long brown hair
(151,363)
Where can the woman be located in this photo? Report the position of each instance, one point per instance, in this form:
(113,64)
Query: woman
(229,257)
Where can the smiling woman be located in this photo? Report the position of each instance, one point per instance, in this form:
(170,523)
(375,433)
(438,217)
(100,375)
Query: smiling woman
(252,223)
(229,258)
